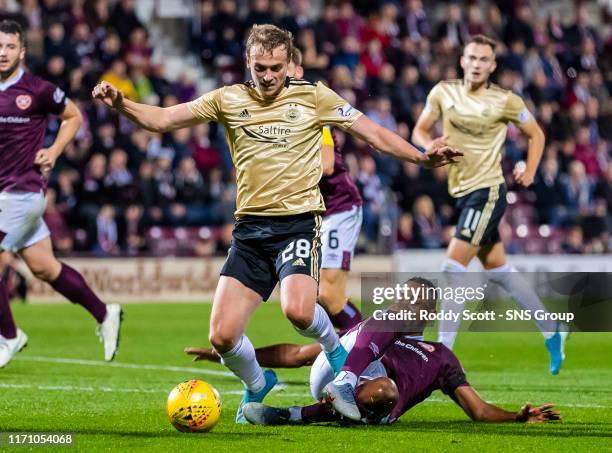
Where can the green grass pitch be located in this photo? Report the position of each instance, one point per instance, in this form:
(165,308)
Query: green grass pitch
(59,383)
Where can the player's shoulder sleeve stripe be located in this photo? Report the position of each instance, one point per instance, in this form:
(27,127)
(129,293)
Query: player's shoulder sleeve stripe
(301,82)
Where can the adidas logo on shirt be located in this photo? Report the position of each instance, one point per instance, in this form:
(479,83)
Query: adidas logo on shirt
(298,262)
(245,114)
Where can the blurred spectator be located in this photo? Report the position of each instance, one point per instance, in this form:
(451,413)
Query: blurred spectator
(259,13)
(134,230)
(61,234)
(573,243)
(185,88)
(117,75)
(596,228)
(428,229)
(373,196)
(149,192)
(548,191)
(281,17)
(107,236)
(405,227)
(109,50)
(124,18)
(326,32)
(577,191)
(58,45)
(118,181)
(313,61)
(586,152)
(206,156)
(349,53)
(138,51)
(373,58)
(348,22)
(188,208)
(415,23)
(453,29)
(520,27)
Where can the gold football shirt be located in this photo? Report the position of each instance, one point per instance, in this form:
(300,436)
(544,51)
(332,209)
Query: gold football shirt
(476,123)
(276,144)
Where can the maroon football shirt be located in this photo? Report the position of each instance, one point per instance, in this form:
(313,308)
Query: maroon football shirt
(25,104)
(418,368)
(338,189)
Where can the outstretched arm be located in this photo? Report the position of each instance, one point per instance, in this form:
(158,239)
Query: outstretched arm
(389,142)
(150,117)
(479,410)
(282,355)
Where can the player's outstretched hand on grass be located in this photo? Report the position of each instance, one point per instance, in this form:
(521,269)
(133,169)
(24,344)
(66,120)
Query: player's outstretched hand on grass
(108,94)
(202,354)
(540,414)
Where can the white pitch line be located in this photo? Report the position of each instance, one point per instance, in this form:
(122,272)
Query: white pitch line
(72,388)
(133,366)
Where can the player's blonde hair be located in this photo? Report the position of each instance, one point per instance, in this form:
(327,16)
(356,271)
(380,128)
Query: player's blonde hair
(482,39)
(269,37)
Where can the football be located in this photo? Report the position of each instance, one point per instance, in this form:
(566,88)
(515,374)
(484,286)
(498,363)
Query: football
(194,406)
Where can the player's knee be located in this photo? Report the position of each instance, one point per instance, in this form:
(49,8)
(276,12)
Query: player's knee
(300,315)
(43,271)
(222,340)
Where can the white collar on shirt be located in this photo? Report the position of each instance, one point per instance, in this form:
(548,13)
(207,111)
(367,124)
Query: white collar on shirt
(9,83)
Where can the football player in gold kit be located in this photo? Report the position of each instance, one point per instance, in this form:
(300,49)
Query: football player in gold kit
(273,126)
(475,114)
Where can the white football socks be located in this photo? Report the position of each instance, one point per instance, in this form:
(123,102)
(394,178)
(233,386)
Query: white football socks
(321,330)
(520,290)
(447,329)
(241,360)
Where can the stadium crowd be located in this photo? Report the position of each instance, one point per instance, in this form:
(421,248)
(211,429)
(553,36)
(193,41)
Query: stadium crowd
(121,190)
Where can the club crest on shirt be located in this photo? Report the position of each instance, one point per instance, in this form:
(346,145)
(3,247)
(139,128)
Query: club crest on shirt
(58,95)
(428,347)
(293,113)
(23,101)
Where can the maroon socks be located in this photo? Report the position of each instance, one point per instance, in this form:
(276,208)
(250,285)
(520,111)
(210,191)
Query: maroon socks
(347,318)
(73,287)
(8,329)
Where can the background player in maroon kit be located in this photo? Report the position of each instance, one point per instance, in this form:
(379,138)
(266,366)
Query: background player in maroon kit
(25,103)
(394,370)
(339,234)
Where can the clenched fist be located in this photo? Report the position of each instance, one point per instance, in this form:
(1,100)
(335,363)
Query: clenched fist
(108,94)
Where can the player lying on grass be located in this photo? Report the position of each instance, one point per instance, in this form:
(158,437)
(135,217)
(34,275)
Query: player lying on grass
(387,372)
